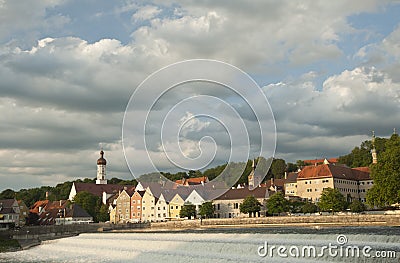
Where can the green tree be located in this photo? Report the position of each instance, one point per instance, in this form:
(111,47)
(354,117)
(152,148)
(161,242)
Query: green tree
(332,200)
(250,205)
(278,168)
(357,206)
(309,208)
(188,210)
(89,202)
(207,210)
(7,194)
(361,156)
(291,167)
(103,215)
(386,175)
(277,204)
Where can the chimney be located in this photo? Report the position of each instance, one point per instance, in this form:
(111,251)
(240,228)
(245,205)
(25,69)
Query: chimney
(272,181)
(285,175)
(60,202)
(47,195)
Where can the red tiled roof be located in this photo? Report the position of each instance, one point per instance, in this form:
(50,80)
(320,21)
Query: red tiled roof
(363,169)
(192,181)
(330,170)
(318,161)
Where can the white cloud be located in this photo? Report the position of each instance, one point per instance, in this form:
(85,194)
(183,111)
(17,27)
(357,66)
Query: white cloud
(146,13)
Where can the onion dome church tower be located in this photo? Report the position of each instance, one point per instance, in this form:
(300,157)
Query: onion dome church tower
(101,169)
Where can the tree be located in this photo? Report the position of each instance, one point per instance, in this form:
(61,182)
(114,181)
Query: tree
(277,204)
(103,215)
(361,156)
(291,167)
(386,175)
(309,208)
(188,210)
(250,205)
(332,200)
(278,168)
(7,194)
(207,210)
(357,206)
(89,202)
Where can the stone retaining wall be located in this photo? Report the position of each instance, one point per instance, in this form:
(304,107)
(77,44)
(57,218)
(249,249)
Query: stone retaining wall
(343,220)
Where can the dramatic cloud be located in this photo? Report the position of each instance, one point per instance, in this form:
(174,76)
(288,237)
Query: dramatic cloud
(68,69)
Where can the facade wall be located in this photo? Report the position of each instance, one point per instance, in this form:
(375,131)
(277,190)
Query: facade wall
(123,207)
(348,188)
(175,206)
(161,209)
(136,207)
(363,187)
(148,206)
(291,189)
(311,189)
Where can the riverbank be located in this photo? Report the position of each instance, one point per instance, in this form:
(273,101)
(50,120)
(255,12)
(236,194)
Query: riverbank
(282,221)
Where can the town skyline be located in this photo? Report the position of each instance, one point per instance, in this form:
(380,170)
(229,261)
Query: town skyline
(329,71)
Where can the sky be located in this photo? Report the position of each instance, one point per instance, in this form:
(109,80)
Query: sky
(330,71)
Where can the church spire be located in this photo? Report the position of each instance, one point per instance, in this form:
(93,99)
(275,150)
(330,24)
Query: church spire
(373,151)
(101,169)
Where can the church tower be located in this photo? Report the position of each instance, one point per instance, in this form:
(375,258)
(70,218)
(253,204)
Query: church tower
(373,151)
(253,179)
(101,169)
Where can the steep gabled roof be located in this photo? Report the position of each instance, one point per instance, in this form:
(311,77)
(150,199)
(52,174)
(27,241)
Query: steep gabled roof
(77,211)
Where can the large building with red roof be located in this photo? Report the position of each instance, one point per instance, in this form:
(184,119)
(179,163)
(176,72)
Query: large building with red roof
(353,183)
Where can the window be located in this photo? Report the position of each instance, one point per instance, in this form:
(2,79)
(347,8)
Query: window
(144,208)
(133,201)
(172,207)
(158,208)
(138,207)
(138,201)
(177,207)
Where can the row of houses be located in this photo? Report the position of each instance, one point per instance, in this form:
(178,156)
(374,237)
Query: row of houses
(151,203)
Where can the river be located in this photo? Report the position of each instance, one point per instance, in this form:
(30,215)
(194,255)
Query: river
(283,244)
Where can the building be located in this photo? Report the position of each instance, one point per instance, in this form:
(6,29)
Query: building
(192,181)
(123,205)
(74,214)
(49,211)
(149,201)
(9,213)
(312,180)
(228,204)
(321,161)
(136,206)
(101,169)
(291,184)
(101,189)
(175,206)
(161,209)
(23,212)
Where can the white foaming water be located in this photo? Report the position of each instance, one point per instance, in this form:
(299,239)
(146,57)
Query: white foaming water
(195,247)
